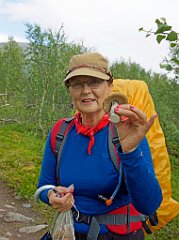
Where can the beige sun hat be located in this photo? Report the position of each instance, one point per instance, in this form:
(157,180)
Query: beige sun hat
(88,64)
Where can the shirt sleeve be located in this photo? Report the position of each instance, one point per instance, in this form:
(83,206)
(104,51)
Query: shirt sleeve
(48,170)
(141,182)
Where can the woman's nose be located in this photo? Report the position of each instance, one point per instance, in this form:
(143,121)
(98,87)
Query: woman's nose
(86,88)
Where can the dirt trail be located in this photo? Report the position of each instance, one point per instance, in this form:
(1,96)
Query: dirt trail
(11,230)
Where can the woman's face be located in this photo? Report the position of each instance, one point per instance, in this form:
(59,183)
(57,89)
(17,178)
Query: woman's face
(88,94)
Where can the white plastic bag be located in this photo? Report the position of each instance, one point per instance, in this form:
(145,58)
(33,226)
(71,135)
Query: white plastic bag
(62,228)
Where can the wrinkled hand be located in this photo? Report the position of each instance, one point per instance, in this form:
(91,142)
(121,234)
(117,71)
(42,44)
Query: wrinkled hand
(132,130)
(62,202)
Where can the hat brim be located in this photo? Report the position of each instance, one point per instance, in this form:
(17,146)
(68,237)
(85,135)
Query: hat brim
(87,72)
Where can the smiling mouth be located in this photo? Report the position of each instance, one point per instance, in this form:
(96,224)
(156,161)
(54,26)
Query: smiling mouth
(88,100)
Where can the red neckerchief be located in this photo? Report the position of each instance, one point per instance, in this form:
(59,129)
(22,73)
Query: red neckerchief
(90,131)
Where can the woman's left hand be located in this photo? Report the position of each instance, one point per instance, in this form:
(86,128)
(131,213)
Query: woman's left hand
(132,131)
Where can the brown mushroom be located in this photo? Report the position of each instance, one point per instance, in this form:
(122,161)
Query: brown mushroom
(111,102)
(117,97)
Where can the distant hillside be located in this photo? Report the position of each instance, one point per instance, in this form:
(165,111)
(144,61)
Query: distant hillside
(23,45)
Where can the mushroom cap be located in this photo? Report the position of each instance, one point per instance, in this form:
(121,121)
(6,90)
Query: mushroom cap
(117,97)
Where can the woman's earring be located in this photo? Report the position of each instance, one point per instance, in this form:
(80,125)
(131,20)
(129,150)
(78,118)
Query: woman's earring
(72,105)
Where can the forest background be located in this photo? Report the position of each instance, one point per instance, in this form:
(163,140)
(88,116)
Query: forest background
(33,97)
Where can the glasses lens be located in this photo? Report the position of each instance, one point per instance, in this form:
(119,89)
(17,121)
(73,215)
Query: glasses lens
(92,83)
(95,83)
(76,85)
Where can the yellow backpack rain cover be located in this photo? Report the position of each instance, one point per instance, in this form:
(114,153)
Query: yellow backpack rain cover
(139,96)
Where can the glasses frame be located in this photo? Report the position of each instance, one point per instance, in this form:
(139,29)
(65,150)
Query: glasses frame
(93,83)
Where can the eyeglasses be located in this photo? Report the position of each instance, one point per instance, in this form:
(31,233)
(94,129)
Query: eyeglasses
(92,83)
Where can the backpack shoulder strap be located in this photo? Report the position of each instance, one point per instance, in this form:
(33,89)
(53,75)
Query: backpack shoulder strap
(61,135)
(113,143)
(58,138)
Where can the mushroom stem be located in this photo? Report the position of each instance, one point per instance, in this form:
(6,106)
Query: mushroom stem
(113,116)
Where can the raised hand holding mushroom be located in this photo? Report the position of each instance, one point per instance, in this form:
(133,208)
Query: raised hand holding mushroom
(134,128)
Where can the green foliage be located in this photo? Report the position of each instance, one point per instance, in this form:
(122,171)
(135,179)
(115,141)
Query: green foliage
(11,65)
(20,160)
(162,26)
(165,32)
(129,70)
(160,38)
(168,232)
(47,57)
(11,80)
(33,91)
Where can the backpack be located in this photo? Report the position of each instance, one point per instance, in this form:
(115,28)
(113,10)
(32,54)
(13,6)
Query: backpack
(138,95)
(58,137)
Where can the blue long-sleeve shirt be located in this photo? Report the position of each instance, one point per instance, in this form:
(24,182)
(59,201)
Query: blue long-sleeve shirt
(95,174)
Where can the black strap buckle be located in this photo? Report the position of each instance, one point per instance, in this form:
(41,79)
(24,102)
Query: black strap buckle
(146,227)
(59,137)
(81,218)
(115,141)
(153,219)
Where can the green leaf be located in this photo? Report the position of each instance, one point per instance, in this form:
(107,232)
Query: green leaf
(172,36)
(163,28)
(168,67)
(172,45)
(175,60)
(158,22)
(147,35)
(141,29)
(162,65)
(160,38)
(163,20)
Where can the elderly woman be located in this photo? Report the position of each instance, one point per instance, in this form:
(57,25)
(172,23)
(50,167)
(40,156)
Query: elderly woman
(108,208)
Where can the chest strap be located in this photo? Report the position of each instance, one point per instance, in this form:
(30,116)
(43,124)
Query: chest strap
(107,219)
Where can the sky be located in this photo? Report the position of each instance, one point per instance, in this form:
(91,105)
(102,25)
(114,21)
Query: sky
(109,26)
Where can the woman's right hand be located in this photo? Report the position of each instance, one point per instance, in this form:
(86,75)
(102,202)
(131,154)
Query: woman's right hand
(61,202)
